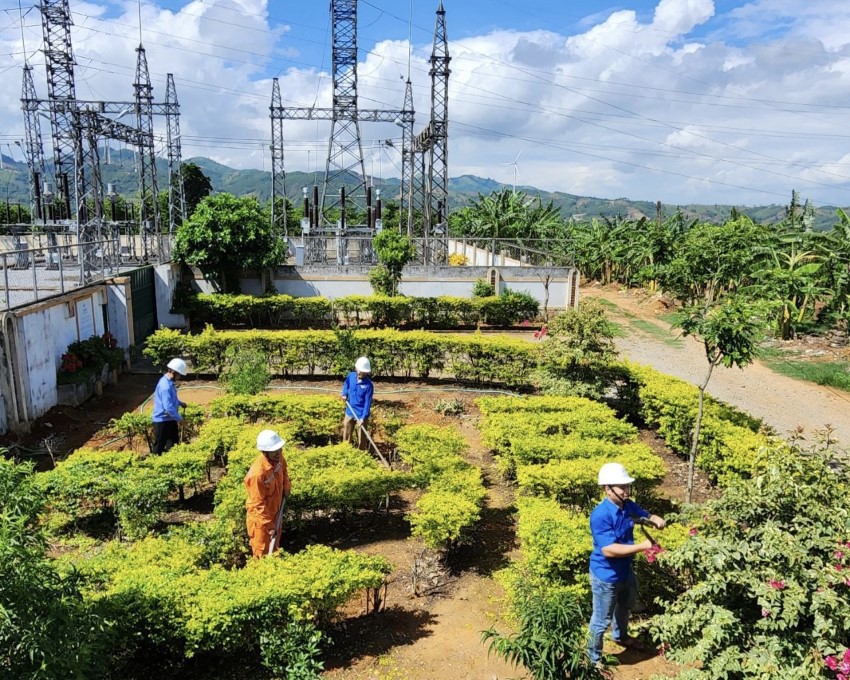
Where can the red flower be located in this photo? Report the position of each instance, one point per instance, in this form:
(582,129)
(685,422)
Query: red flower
(693,532)
(778,585)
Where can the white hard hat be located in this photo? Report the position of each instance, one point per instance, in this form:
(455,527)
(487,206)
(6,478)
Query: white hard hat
(363,365)
(614,474)
(269,440)
(177,365)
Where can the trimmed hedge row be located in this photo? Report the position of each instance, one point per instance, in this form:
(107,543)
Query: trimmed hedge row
(475,357)
(452,504)
(523,430)
(277,311)
(163,597)
(314,417)
(731,441)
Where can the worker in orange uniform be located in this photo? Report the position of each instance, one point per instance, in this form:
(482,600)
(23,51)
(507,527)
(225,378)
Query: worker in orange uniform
(267,484)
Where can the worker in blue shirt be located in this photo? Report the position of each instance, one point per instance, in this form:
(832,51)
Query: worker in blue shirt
(357,391)
(612,580)
(166,408)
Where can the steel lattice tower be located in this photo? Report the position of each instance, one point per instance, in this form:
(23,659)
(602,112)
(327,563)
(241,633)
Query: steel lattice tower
(64,115)
(438,171)
(405,207)
(34,150)
(147,159)
(176,190)
(278,172)
(345,151)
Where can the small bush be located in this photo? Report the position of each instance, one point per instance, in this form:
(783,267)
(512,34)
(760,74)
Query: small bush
(449,407)
(248,373)
(482,289)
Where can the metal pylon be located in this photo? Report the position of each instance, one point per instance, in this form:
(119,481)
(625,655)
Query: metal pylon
(405,213)
(148,215)
(345,151)
(176,189)
(34,149)
(278,172)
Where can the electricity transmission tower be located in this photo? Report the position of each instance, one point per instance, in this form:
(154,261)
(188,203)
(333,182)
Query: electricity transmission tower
(78,126)
(424,181)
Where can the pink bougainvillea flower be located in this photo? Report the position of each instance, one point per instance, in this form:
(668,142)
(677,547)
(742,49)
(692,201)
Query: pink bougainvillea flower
(693,531)
(839,567)
(777,584)
(765,613)
(839,555)
(831,663)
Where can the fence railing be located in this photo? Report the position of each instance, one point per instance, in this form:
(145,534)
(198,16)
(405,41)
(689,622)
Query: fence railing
(344,250)
(60,263)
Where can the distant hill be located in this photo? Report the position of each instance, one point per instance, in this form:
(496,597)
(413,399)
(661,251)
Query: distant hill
(121,172)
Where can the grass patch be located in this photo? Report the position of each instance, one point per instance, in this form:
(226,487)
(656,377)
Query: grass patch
(612,307)
(832,374)
(665,335)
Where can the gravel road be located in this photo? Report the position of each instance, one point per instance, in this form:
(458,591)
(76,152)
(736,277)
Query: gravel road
(783,403)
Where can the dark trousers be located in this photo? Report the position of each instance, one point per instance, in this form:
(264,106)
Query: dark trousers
(165,435)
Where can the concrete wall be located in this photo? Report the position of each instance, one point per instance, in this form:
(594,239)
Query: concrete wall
(334,282)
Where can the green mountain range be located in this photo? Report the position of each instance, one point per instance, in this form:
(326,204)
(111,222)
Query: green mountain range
(121,172)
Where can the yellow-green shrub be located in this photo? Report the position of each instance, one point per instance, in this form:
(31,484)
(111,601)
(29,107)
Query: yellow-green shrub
(574,482)
(556,544)
(311,416)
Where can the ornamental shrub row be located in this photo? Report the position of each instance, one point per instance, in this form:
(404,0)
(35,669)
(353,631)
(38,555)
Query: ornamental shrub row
(278,311)
(475,357)
(162,597)
(549,427)
(731,441)
(455,491)
(314,417)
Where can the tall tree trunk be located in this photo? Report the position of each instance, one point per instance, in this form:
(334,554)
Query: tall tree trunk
(692,459)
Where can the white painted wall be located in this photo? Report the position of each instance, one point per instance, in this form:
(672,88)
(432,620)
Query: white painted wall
(166,277)
(119,299)
(44,333)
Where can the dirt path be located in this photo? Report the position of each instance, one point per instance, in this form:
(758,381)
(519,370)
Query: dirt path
(782,402)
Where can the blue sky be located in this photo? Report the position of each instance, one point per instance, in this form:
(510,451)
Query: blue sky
(684,101)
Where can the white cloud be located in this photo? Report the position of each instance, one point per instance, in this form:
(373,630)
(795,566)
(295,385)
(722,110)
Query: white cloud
(687,106)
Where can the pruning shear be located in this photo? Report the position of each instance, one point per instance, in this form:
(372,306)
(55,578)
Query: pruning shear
(643,522)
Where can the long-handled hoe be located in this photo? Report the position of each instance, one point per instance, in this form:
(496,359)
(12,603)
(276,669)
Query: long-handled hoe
(368,436)
(277,526)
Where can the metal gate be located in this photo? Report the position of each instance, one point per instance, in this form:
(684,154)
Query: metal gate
(144,303)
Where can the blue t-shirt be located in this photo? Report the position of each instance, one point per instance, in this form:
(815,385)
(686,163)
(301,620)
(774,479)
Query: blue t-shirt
(612,524)
(359,395)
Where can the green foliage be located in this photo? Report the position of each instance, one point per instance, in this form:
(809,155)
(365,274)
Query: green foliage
(449,407)
(132,426)
(247,372)
(482,288)
(313,417)
(476,358)
(196,186)
(766,570)
(551,641)
(46,630)
(293,652)
(508,214)
(394,252)
(226,235)
(455,495)
(139,500)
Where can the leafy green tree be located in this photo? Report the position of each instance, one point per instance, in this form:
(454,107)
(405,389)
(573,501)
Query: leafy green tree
(575,356)
(394,252)
(765,574)
(227,235)
(711,261)
(791,279)
(508,214)
(196,186)
(730,330)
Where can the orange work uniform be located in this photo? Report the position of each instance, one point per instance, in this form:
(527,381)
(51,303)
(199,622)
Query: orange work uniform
(266,484)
